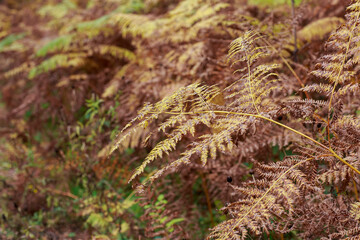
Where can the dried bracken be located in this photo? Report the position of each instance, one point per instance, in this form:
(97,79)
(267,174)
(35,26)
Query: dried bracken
(226,124)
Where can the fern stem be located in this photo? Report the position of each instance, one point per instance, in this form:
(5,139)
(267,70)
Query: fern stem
(288,66)
(343,160)
(355,187)
(294,30)
(204,186)
(250,87)
(301,134)
(280,124)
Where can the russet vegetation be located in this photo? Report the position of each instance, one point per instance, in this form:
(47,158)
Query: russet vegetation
(190,119)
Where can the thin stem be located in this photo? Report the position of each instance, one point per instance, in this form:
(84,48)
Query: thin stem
(294,30)
(278,123)
(58,192)
(355,187)
(250,87)
(288,65)
(208,201)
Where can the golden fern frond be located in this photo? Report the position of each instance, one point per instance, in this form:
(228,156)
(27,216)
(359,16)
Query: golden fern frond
(179,101)
(58,61)
(319,28)
(129,25)
(355,210)
(23,68)
(256,81)
(75,59)
(133,24)
(189,18)
(319,88)
(194,10)
(193,98)
(114,51)
(56,10)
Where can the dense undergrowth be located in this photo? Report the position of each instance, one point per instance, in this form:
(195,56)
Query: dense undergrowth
(149,119)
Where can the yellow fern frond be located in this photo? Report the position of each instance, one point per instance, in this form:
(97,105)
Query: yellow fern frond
(257,81)
(319,28)
(23,68)
(58,61)
(116,52)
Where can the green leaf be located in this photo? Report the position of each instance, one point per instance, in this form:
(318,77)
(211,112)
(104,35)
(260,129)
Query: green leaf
(71,234)
(55,45)
(10,40)
(174,221)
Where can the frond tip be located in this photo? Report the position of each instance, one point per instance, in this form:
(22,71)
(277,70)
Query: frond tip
(257,79)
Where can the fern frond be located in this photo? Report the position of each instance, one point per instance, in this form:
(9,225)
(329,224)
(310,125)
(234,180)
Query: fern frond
(188,126)
(319,88)
(23,68)
(189,18)
(58,61)
(355,210)
(57,44)
(255,213)
(115,51)
(319,28)
(258,81)
(133,25)
(350,234)
(56,10)
(348,89)
(339,174)
(5,44)
(337,68)
(176,102)
(348,128)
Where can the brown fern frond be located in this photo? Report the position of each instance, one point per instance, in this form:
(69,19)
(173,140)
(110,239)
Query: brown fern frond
(351,234)
(337,68)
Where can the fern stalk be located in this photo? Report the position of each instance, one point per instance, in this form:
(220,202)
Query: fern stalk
(355,187)
(208,201)
(278,123)
(250,87)
(287,65)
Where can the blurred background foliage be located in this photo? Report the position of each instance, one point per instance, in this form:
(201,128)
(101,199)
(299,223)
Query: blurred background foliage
(74,72)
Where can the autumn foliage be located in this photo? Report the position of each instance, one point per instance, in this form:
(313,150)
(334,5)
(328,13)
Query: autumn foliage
(148,119)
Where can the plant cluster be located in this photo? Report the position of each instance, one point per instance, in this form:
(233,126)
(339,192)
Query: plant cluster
(250,130)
